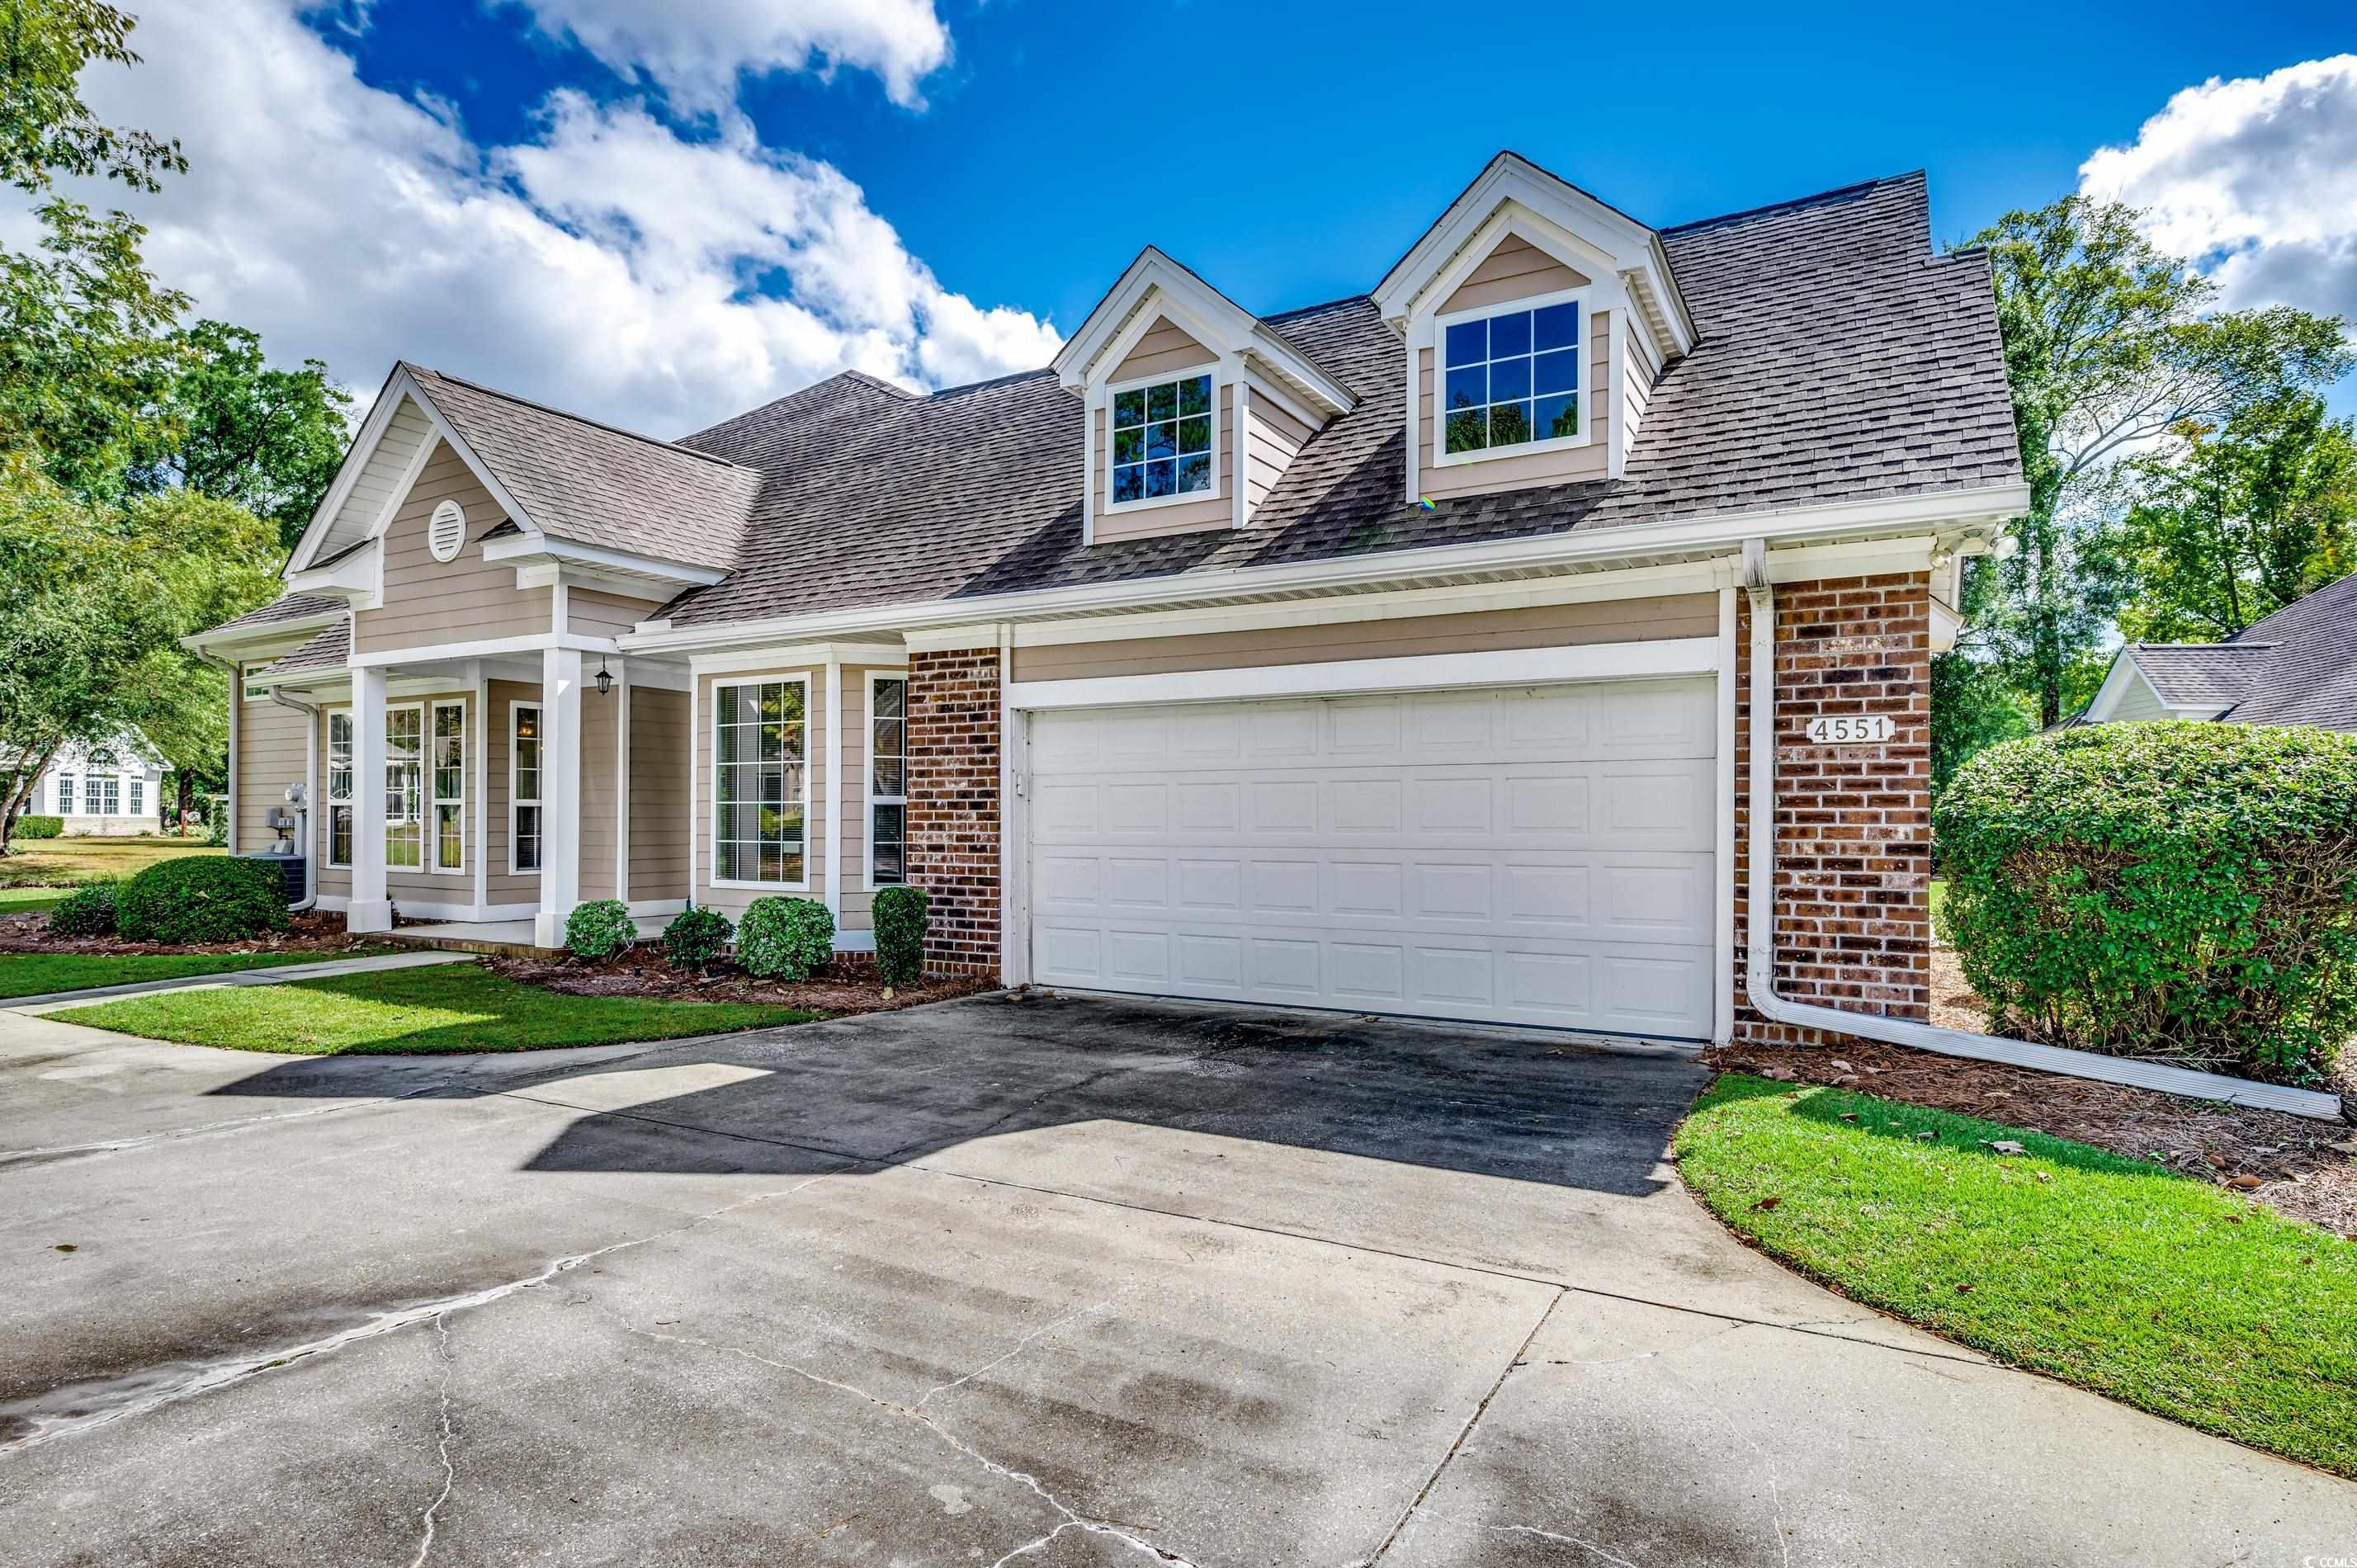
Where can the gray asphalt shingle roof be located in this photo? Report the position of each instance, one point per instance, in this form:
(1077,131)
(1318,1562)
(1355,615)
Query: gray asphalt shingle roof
(595,484)
(1840,359)
(2311,678)
(292,607)
(328,650)
(2200,675)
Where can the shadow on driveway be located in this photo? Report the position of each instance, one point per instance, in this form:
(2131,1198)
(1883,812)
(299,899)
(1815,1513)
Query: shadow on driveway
(895,1087)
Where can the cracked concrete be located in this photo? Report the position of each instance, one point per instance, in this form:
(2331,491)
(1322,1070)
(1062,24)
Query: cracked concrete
(1070,1283)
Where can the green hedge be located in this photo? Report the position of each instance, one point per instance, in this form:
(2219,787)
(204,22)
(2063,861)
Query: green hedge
(2184,892)
(85,912)
(695,937)
(39,828)
(201,899)
(785,938)
(900,922)
(600,928)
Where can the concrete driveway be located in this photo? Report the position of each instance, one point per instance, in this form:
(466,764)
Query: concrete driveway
(1060,1283)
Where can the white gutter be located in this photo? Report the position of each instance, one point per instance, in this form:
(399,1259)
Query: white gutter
(1724,532)
(1758,969)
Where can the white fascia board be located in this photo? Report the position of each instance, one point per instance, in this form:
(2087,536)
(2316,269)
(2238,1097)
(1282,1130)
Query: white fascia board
(598,557)
(487,648)
(2116,680)
(1620,239)
(1286,363)
(1982,506)
(359,577)
(797,656)
(348,473)
(1455,672)
(1155,285)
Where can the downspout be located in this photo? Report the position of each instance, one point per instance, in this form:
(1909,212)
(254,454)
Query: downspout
(303,840)
(1758,968)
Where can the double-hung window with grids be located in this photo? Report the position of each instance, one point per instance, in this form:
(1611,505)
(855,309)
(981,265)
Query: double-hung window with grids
(523,789)
(1510,379)
(1162,440)
(887,781)
(404,789)
(340,788)
(760,786)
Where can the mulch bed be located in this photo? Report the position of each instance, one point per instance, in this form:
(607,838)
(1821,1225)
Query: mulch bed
(315,930)
(844,987)
(2290,1158)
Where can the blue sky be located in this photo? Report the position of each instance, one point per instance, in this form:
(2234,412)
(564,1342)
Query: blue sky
(665,213)
(1037,168)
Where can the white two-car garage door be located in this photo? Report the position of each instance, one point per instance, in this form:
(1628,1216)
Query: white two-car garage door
(1534,854)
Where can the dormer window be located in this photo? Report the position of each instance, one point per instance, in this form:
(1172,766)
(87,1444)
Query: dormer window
(1511,378)
(1163,434)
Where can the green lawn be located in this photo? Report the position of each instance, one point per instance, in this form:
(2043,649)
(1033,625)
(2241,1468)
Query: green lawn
(2164,1293)
(38,974)
(1938,898)
(75,862)
(449,1008)
(30,900)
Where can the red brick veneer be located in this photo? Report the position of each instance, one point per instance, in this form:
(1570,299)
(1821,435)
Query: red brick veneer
(953,818)
(1853,822)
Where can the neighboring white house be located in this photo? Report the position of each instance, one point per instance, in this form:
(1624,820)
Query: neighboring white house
(116,789)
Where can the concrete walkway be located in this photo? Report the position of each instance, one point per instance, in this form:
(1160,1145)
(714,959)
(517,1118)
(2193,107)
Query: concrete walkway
(276,975)
(1064,1284)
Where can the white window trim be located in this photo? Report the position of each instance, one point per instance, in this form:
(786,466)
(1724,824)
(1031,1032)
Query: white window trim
(68,791)
(424,754)
(1440,455)
(328,786)
(1114,390)
(712,807)
(867,781)
(515,801)
(436,801)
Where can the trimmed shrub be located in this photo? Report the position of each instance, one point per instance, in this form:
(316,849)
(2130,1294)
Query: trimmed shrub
(2183,892)
(785,938)
(85,912)
(695,937)
(39,828)
(201,898)
(600,928)
(900,922)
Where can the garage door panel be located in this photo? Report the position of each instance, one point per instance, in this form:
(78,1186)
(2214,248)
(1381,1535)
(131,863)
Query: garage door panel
(1539,855)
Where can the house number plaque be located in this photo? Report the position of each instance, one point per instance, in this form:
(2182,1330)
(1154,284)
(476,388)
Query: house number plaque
(1852,729)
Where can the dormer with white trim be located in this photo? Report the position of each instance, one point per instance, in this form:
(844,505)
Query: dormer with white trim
(1185,390)
(1534,321)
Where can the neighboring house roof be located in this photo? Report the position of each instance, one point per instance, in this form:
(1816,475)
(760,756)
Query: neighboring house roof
(592,483)
(293,606)
(328,650)
(2199,674)
(2299,666)
(1841,359)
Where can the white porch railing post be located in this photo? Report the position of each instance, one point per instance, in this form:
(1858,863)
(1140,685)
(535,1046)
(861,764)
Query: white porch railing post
(369,909)
(560,794)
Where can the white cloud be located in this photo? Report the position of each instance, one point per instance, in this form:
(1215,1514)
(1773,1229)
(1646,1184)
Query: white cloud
(605,265)
(2255,180)
(695,49)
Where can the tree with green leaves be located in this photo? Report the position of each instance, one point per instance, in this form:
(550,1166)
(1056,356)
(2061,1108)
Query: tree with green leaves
(2235,520)
(2109,345)
(46,129)
(241,430)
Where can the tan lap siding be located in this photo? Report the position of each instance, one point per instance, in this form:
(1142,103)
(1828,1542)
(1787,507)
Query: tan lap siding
(429,602)
(1514,269)
(1165,349)
(658,798)
(500,884)
(592,612)
(1592,460)
(1547,626)
(601,798)
(270,757)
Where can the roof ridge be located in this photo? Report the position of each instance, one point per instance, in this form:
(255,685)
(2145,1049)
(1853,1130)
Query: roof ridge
(521,401)
(2222,643)
(1790,203)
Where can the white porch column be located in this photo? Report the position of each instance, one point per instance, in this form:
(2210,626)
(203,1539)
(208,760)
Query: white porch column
(369,909)
(560,794)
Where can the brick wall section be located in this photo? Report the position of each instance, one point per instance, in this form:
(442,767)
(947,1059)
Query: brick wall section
(1853,822)
(953,712)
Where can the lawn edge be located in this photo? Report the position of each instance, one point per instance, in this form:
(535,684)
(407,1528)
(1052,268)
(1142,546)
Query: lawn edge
(1995,1356)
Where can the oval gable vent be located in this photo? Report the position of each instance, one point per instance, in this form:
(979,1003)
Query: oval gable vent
(446,531)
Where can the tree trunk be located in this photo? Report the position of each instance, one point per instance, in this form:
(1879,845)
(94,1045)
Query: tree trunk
(184,801)
(20,794)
